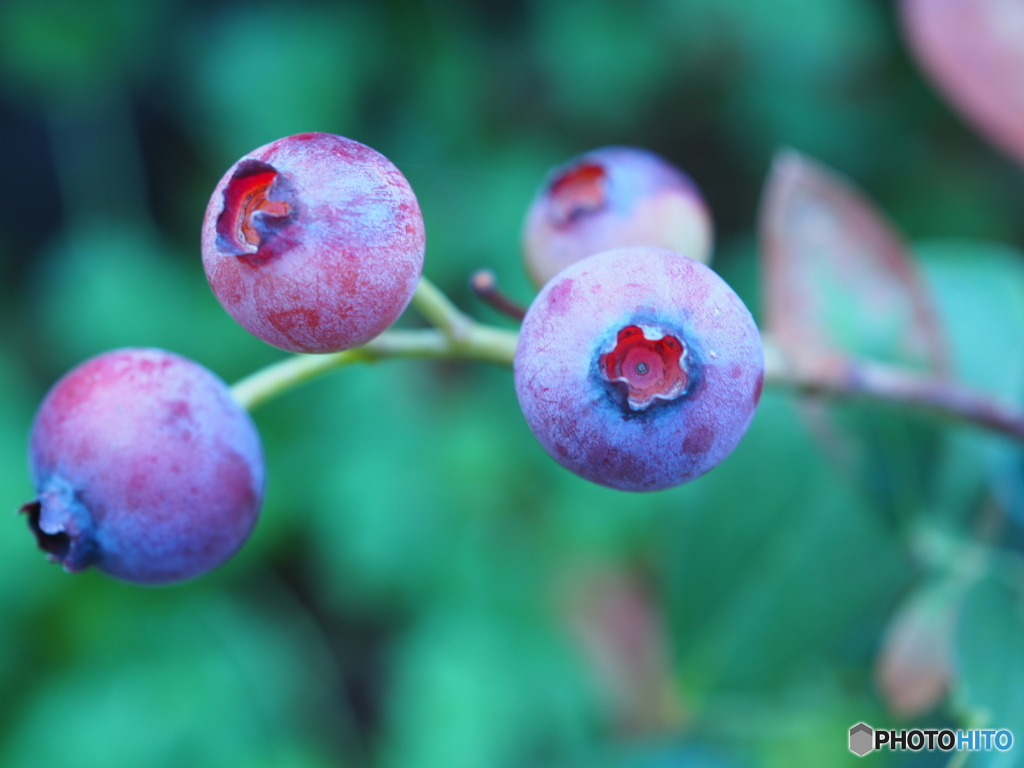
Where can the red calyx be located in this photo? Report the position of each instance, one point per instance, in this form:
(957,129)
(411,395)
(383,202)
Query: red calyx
(579,190)
(256,206)
(650,369)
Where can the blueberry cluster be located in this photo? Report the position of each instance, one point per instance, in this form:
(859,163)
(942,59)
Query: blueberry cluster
(637,367)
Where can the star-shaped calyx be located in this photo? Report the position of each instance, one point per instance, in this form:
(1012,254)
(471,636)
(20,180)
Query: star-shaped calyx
(648,363)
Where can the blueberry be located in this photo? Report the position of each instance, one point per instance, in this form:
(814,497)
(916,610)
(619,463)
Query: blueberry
(145,467)
(611,198)
(313,243)
(638,368)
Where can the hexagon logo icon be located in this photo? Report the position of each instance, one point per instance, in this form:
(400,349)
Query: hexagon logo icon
(862,739)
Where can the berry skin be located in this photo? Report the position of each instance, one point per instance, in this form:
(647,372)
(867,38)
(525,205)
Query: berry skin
(313,243)
(612,198)
(638,368)
(145,467)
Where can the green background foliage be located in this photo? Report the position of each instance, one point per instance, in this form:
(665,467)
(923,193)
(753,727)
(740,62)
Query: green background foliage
(403,602)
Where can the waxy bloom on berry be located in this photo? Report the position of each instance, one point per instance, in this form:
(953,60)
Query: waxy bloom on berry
(313,243)
(638,368)
(145,468)
(612,198)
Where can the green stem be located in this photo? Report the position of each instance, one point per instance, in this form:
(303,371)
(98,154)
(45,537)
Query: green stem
(456,336)
(440,312)
(480,343)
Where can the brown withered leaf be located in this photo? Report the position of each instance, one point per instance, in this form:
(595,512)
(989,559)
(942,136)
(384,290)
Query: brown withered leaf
(838,279)
(973,50)
(915,664)
(616,621)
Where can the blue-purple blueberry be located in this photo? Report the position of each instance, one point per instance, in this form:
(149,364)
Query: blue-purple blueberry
(612,198)
(145,468)
(638,368)
(313,243)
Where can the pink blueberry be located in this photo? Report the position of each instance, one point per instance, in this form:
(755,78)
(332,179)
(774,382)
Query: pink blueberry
(313,243)
(638,368)
(611,198)
(145,467)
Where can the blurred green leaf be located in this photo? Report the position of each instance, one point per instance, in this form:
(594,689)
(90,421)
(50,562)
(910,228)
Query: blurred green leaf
(111,285)
(978,289)
(789,72)
(478,687)
(661,755)
(989,685)
(819,40)
(256,73)
(26,580)
(601,58)
(770,570)
(66,48)
(231,689)
(979,292)
(473,206)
